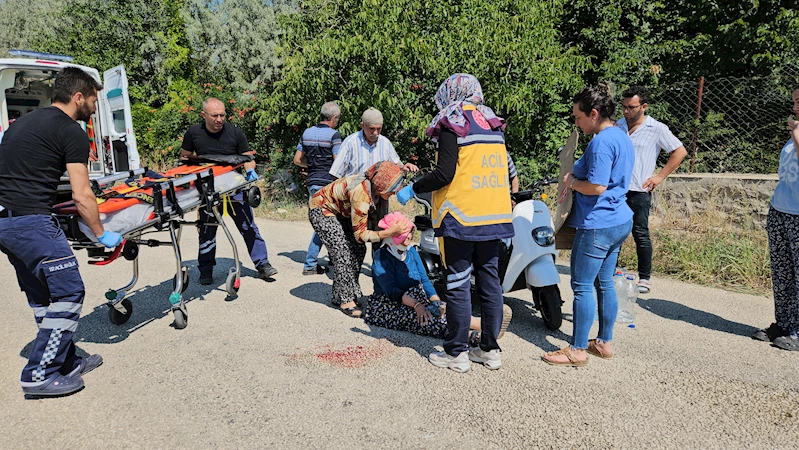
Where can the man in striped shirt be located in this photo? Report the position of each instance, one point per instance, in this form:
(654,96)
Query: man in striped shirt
(363,149)
(316,152)
(649,137)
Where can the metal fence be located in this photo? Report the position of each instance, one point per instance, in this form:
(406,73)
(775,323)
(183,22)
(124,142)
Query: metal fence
(729,124)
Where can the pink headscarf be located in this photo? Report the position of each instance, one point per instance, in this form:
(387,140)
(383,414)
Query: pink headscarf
(386,222)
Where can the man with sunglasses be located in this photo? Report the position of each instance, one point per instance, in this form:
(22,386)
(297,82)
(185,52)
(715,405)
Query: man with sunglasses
(649,137)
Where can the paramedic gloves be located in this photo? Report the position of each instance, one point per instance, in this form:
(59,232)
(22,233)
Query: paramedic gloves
(251,175)
(110,239)
(405,194)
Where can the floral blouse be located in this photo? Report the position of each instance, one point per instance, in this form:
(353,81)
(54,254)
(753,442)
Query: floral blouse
(348,197)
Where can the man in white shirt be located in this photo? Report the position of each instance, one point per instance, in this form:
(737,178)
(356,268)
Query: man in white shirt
(649,137)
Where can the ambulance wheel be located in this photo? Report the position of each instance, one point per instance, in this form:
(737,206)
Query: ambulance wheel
(254,196)
(185,272)
(118,318)
(181,319)
(231,286)
(130,251)
(549,302)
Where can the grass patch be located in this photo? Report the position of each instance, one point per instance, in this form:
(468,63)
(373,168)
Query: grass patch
(707,249)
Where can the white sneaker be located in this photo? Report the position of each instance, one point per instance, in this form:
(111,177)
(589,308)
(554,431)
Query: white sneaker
(458,363)
(492,359)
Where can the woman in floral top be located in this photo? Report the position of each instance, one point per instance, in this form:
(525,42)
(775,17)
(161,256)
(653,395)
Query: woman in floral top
(339,214)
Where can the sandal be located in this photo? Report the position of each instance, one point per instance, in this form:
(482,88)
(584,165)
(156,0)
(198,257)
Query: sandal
(769,334)
(594,350)
(790,342)
(352,311)
(566,351)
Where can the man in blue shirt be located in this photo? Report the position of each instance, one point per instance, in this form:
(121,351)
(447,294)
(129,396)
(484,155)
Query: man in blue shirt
(316,152)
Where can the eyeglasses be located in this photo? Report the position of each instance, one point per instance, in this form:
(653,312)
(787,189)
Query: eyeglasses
(631,108)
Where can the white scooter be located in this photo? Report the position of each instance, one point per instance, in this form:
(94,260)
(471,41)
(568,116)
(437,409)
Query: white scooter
(529,262)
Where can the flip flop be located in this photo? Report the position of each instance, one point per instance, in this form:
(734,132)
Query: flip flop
(572,362)
(594,350)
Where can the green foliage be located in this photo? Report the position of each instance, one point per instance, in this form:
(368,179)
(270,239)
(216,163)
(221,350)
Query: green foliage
(392,55)
(234,40)
(24,23)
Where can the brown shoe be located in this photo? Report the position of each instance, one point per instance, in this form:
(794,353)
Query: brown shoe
(594,350)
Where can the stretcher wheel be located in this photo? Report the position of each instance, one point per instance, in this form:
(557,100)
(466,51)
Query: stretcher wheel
(130,251)
(231,284)
(118,318)
(254,196)
(185,271)
(181,318)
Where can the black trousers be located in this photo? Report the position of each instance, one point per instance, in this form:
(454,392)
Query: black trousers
(463,258)
(641,203)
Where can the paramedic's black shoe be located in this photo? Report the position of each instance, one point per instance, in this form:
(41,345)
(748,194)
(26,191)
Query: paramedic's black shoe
(56,386)
(87,364)
(266,271)
(206,278)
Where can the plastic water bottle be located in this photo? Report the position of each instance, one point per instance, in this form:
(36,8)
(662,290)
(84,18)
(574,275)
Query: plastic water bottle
(627,300)
(620,286)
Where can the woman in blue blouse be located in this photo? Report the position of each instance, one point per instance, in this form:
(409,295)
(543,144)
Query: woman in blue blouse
(603,221)
(404,298)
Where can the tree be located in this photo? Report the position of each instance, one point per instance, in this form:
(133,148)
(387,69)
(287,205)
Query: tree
(234,40)
(393,54)
(23,23)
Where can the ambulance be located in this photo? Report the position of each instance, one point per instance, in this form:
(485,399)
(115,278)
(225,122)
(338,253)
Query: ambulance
(26,84)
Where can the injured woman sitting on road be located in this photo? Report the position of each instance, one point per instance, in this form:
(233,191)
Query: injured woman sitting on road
(404,298)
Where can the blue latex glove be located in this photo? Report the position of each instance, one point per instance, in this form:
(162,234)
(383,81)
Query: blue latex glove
(251,175)
(110,239)
(405,194)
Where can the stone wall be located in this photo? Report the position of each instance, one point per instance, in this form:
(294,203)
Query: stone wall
(738,199)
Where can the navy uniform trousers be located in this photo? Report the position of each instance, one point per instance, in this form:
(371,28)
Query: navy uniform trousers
(461,258)
(47,272)
(242,215)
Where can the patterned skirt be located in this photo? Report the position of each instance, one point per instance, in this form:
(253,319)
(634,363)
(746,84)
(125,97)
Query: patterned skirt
(384,312)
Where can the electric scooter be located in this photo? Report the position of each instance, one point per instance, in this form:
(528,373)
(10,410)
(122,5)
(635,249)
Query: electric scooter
(527,263)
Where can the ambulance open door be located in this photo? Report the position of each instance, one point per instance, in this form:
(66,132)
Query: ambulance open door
(120,132)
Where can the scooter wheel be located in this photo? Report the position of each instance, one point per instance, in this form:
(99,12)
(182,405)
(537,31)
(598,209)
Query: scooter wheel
(549,302)
(118,318)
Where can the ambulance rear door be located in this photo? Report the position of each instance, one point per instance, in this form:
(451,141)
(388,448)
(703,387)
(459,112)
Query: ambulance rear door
(118,127)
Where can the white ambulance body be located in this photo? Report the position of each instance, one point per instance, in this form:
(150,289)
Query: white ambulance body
(26,84)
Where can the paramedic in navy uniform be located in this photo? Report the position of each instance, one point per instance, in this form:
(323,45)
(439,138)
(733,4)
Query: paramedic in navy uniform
(35,152)
(215,137)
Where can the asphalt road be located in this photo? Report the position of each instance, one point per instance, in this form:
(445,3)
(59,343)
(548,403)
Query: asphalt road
(278,367)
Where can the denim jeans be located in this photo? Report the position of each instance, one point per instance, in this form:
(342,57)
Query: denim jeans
(640,203)
(593,260)
(311,258)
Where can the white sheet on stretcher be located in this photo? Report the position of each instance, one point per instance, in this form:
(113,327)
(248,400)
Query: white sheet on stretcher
(133,216)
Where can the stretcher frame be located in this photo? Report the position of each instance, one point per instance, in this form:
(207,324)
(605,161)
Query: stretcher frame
(169,217)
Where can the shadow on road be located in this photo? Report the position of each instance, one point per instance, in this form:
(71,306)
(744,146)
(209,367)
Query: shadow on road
(423,345)
(298,256)
(315,291)
(151,303)
(528,325)
(675,311)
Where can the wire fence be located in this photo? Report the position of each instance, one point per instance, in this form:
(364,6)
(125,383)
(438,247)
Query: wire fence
(729,124)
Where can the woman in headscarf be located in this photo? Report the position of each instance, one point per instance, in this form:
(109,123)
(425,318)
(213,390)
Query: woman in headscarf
(339,215)
(404,298)
(471,212)
(782,227)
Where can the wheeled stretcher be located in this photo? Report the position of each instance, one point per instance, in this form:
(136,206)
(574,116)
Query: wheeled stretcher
(150,203)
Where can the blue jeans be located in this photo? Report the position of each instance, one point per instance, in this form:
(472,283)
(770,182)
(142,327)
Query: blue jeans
(593,260)
(311,258)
